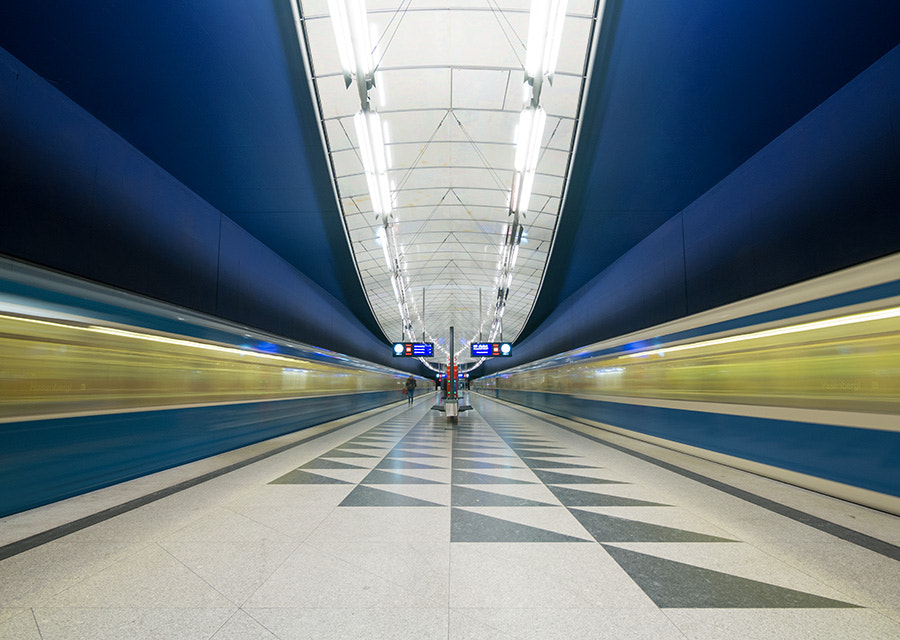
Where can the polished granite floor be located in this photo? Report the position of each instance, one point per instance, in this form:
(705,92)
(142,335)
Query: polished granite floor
(510,525)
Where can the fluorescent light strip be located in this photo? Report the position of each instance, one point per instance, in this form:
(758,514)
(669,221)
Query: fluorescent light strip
(544,37)
(351,31)
(371,146)
(871,316)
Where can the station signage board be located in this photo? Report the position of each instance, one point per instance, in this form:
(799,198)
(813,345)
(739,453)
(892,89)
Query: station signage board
(413,349)
(491,349)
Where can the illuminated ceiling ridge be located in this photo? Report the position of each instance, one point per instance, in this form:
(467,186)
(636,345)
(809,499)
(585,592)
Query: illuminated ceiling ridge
(450,158)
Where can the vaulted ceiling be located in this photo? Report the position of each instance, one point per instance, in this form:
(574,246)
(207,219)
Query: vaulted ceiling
(679,94)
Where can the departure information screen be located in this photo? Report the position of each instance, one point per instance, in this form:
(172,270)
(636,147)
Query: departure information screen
(491,349)
(413,349)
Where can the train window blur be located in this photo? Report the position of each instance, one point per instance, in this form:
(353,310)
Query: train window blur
(849,363)
(52,367)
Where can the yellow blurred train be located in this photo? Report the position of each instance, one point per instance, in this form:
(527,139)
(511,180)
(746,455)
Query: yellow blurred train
(847,362)
(50,367)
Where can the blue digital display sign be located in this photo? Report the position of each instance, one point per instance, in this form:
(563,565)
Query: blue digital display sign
(413,349)
(491,349)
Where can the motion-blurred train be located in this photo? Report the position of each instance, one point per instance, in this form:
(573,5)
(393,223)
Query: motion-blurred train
(99,386)
(801,384)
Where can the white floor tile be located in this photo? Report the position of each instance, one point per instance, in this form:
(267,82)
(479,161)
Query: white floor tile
(353,623)
(18,624)
(133,623)
(562,624)
(786,624)
(315,579)
(534,575)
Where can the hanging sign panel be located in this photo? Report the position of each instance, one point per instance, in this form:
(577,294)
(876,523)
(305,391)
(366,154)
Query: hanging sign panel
(413,349)
(491,349)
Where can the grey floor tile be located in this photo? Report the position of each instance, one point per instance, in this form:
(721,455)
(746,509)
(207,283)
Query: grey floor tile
(539,463)
(410,452)
(398,464)
(460,476)
(325,463)
(305,477)
(579,498)
(612,529)
(463,463)
(679,585)
(554,477)
(365,496)
(468,497)
(347,453)
(381,476)
(468,526)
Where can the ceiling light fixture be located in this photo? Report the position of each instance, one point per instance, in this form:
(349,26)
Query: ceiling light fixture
(370,135)
(529,135)
(351,31)
(544,38)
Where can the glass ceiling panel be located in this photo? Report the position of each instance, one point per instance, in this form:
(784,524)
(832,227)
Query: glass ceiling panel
(441,111)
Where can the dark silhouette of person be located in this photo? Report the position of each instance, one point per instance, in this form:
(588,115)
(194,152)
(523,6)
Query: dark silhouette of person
(410,389)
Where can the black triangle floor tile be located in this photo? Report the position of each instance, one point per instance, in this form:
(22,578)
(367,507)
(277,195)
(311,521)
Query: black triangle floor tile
(363,496)
(397,463)
(410,452)
(305,477)
(612,529)
(346,453)
(322,463)
(578,498)
(377,476)
(353,445)
(420,445)
(462,463)
(538,453)
(467,526)
(673,584)
(553,477)
(533,444)
(536,463)
(379,443)
(467,497)
(472,453)
(467,477)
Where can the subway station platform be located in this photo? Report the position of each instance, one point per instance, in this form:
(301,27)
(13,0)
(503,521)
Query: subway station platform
(391,524)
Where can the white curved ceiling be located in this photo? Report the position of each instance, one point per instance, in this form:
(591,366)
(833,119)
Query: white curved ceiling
(449,89)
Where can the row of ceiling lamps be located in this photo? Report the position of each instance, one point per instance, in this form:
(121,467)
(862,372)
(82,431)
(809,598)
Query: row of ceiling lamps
(544,38)
(351,29)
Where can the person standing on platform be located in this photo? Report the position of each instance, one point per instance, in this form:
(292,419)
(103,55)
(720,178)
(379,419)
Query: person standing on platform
(410,389)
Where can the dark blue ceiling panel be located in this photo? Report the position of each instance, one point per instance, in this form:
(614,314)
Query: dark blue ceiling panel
(215,93)
(682,94)
(685,92)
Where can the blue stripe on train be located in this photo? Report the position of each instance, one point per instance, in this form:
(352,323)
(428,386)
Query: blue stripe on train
(43,461)
(866,458)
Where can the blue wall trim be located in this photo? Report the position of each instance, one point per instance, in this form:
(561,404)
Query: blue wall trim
(865,458)
(43,461)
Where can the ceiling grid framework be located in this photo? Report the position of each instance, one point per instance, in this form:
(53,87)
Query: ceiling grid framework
(449,90)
